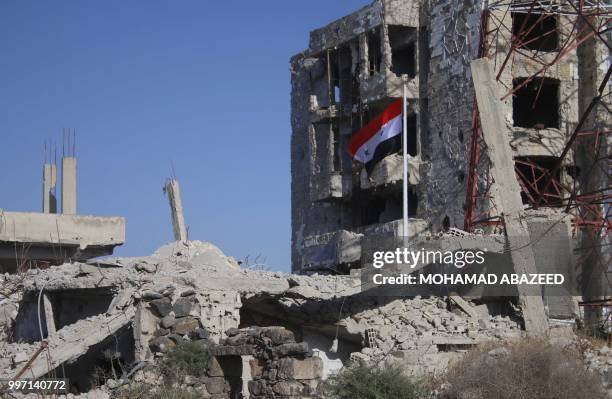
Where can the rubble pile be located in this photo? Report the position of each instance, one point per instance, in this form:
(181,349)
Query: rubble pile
(598,358)
(424,335)
(140,308)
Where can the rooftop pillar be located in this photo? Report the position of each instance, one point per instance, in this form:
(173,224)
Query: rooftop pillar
(49,181)
(69,194)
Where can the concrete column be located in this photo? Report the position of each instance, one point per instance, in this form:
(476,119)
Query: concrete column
(176,209)
(363,55)
(144,326)
(506,191)
(49,181)
(69,194)
(385,46)
(247,375)
(49,318)
(590,150)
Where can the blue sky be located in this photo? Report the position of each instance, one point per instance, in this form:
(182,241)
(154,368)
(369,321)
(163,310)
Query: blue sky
(202,84)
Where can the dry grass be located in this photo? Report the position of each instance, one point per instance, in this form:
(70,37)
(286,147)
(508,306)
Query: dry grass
(587,340)
(530,369)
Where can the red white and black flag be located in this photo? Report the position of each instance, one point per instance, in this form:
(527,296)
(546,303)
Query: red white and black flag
(379,138)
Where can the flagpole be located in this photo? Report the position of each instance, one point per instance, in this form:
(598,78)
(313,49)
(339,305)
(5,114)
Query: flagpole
(405,156)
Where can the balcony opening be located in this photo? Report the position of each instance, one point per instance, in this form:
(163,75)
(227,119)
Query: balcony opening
(73,305)
(412,146)
(384,208)
(340,75)
(533,173)
(67,307)
(402,40)
(413,202)
(535,105)
(446,223)
(336,147)
(334,77)
(539,31)
(336,96)
(372,210)
(374,51)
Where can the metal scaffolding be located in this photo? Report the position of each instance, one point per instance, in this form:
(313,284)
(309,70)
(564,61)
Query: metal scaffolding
(569,26)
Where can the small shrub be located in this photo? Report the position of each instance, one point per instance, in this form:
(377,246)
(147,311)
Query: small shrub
(361,381)
(524,370)
(187,358)
(596,333)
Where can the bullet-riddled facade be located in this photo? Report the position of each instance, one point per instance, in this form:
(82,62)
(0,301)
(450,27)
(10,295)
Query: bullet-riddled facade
(355,66)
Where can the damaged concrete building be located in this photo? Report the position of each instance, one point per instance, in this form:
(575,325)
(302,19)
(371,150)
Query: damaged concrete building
(32,239)
(357,65)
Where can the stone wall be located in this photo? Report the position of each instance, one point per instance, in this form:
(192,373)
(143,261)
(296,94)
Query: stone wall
(164,317)
(274,364)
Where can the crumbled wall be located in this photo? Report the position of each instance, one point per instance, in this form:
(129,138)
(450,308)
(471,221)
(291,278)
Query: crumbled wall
(453,43)
(424,334)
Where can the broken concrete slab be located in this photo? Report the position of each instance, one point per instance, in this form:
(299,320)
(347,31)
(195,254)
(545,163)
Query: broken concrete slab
(56,237)
(464,305)
(67,344)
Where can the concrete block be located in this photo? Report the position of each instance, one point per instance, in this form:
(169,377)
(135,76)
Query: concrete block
(257,367)
(306,369)
(214,368)
(287,388)
(232,350)
(161,344)
(185,325)
(216,385)
(278,335)
(161,306)
(182,307)
(290,349)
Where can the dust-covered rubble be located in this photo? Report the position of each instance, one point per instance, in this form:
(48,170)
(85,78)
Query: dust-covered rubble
(143,306)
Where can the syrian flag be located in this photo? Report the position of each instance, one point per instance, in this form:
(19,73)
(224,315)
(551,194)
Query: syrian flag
(379,138)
